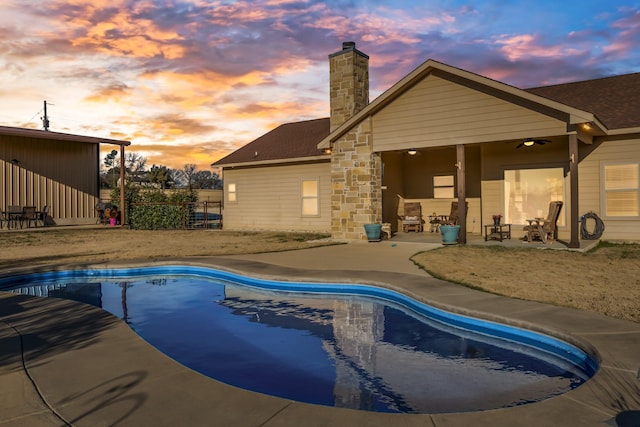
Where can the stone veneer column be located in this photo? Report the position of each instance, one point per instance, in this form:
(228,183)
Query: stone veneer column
(356,196)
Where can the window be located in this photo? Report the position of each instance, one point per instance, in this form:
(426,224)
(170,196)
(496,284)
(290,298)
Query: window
(310,197)
(232,195)
(528,193)
(443,187)
(622,190)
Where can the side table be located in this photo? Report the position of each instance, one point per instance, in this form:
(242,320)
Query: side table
(497,232)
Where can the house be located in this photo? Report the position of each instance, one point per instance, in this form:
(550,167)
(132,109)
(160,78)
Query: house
(58,170)
(280,181)
(442,134)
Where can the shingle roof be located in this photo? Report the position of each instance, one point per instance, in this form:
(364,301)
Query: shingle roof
(287,141)
(614,100)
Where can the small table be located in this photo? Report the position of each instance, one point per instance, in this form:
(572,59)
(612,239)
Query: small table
(435,221)
(497,232)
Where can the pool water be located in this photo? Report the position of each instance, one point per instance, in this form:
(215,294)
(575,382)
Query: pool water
(373,351)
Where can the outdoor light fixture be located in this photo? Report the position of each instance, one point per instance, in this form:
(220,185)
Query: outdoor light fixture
(327,151)
(586,126)
(529,142)
(412,152)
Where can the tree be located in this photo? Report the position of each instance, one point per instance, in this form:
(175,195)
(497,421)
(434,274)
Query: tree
(134,166)
(112,171)
(188,171)
(160,175)
(206,179)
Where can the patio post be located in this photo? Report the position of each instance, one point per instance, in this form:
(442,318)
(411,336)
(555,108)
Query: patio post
(462,196)
(122,186)
(573,190)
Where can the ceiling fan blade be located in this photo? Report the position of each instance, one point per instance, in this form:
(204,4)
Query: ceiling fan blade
(520,145)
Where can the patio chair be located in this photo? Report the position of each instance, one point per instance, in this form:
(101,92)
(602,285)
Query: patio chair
(43,215)
(4,218)
(544,229)
(14,214)
(412,218)
(30,216)
(452,219)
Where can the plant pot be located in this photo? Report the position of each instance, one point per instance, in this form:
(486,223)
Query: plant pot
(496,221)
(113,221)
(373,232)
(449,234)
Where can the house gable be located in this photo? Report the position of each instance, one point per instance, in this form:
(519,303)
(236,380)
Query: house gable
(437,112)
(492,88)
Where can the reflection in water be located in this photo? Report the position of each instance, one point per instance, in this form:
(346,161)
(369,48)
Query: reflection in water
(344,351)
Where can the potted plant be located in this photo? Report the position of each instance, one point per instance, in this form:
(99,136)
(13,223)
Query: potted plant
(449,232)
(496,219)
(113,216)
(373,232)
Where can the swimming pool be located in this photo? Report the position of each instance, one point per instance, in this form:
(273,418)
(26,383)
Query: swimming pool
(344,345)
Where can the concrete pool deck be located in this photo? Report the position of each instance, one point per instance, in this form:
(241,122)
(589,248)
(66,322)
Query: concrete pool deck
(66,363)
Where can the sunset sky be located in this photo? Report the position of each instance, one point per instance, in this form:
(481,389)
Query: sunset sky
(190,81)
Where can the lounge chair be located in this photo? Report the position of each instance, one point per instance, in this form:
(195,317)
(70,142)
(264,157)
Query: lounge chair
(544,229)
(412,218)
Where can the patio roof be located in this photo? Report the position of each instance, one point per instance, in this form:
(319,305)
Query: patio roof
(44,134)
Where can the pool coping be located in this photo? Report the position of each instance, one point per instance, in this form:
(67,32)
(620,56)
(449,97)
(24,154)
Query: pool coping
(90,368)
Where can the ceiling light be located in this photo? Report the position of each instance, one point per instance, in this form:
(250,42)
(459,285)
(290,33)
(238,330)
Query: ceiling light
(529,142)
(586,126)
(412,152)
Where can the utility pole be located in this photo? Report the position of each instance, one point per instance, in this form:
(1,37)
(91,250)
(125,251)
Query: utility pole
(45,119)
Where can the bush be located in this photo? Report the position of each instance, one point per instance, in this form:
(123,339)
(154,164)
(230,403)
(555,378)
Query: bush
(154,209)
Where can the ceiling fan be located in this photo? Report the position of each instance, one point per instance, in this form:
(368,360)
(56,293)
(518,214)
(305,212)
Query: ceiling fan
(532,141)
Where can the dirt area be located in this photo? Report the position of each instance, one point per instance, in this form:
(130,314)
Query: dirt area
(99,244)
(605,280)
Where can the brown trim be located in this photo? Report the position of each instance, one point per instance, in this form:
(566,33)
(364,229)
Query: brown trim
(270,165)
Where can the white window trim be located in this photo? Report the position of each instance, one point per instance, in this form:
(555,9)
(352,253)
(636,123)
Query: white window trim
(235,192)
(452,186)
(604,191)
(316,197)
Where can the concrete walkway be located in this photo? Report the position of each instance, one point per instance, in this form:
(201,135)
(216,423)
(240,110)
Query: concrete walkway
(65,363)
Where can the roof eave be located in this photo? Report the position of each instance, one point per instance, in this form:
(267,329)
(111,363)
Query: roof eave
(59,136)
(324,157)
(624,131)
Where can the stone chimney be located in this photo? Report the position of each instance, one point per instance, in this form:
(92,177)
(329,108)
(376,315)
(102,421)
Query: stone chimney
(348,83)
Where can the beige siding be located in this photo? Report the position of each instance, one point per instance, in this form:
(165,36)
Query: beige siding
(591,189)
(437,112)
(269,198)
(60,174)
